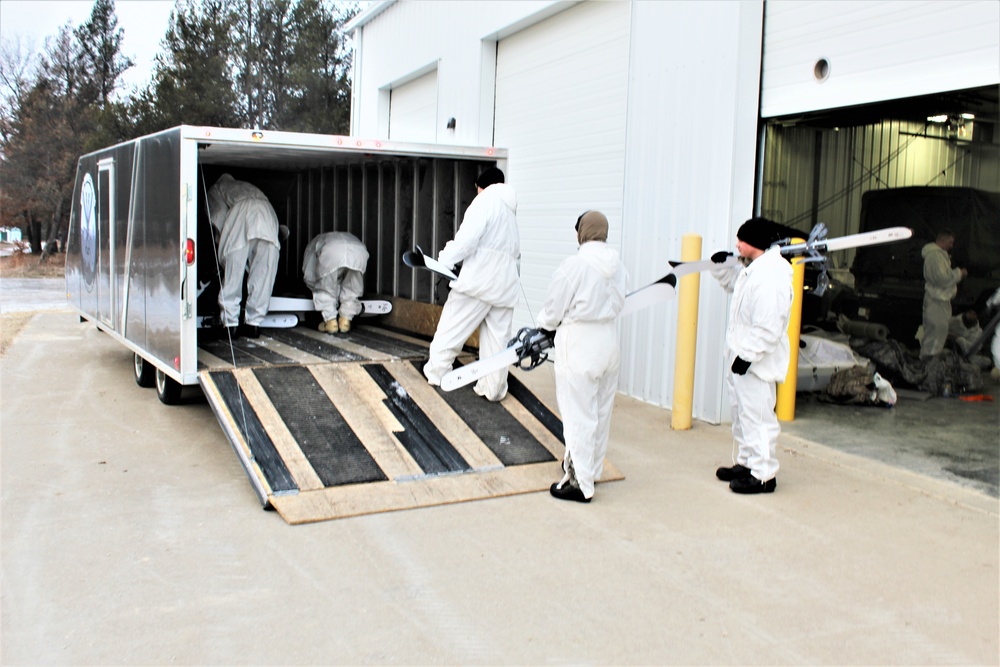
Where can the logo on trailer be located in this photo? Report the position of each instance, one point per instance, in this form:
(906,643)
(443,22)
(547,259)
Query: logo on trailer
(88,228)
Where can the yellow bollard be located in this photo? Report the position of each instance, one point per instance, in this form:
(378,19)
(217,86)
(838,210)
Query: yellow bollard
(785,403)
(687,334)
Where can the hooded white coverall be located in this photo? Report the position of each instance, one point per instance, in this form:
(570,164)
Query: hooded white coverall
(583,301)
(248,241)
(940,287)
(485,293)
(758,333)
(994,302)
(334,269)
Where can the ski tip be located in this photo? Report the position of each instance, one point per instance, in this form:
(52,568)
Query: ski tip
(674,265)
(669,279)
(449,383)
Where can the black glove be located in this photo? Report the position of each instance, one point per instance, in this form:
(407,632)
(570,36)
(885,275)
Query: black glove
(740,366)
(721,257)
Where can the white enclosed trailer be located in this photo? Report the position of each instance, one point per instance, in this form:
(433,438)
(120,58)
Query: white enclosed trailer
(324,426)
(140,244)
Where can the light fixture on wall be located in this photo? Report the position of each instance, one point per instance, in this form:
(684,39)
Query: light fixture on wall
(451,124)
(959,126)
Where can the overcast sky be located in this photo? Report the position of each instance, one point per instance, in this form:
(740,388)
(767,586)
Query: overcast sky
(144,23)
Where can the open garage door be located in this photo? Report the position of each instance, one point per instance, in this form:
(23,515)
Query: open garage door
(825,55)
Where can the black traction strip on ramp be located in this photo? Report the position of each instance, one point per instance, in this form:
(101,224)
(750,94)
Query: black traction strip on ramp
(535,407)
(499,430)
(222,350)
(315,347)
(332,448)
(385,344)
(421,438)
(261,448)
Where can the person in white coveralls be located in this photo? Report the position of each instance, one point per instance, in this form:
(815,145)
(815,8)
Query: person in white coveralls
(757,352)
(334,269)
(581,309)
(940,287)
(248,243)
(485,292)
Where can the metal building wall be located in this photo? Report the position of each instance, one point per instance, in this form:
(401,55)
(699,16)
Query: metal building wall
(406,40)
(875,51)
(689,168)
(690,140)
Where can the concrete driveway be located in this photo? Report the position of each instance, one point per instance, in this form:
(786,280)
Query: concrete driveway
(131,536)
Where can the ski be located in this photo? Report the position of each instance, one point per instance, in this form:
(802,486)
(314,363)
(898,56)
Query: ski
(418,260)
(270,321)
(526,350)
(665,288)
(284,304)
(877,237)
(373,307)
(814,250)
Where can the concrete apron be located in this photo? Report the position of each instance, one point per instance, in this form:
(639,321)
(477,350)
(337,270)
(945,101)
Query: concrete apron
(131,535)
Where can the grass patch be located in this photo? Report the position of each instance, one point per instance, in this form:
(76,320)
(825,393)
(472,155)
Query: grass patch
(20,265)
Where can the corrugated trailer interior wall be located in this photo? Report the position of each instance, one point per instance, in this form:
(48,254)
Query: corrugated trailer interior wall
(391,204)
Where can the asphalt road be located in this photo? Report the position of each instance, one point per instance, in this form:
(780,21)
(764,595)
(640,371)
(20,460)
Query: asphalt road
(32,294)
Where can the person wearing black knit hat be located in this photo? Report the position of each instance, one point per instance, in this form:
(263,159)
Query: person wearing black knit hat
(757,351)
(484,295)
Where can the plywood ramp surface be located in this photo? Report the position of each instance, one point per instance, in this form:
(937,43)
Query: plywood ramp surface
(331,440)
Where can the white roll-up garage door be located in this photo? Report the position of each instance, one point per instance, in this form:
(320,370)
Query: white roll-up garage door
(826,55)
(560,109)
(413,110)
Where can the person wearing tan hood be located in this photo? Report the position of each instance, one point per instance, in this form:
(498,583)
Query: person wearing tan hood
(581,310)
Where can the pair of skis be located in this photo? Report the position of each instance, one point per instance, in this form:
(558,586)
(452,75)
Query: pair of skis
(530,344)
(282,311)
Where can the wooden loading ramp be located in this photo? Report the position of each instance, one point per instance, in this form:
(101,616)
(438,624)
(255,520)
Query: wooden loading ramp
(335,426)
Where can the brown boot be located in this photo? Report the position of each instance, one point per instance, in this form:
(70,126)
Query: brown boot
(344,324)
(330,326)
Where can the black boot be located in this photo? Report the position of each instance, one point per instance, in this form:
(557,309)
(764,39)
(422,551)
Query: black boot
(753,485)
(568,492)
(736,472)
(249,331)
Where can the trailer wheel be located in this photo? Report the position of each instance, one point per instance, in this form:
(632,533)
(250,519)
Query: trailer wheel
(168,390)
(145,373)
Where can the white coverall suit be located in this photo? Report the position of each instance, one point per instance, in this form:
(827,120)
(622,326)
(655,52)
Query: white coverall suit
(334,269)
(248,229)
(485,293)
(758,333)
(940,287)
(583,301)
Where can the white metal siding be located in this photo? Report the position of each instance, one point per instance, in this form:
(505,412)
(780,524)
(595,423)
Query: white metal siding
(413,110)
(692,133)
(876,51)
(561,89)
(406,36)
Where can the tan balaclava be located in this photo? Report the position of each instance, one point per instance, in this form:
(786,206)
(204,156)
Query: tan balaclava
(591,226)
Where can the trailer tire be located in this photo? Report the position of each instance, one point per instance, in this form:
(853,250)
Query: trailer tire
(145,372)
(168,390)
